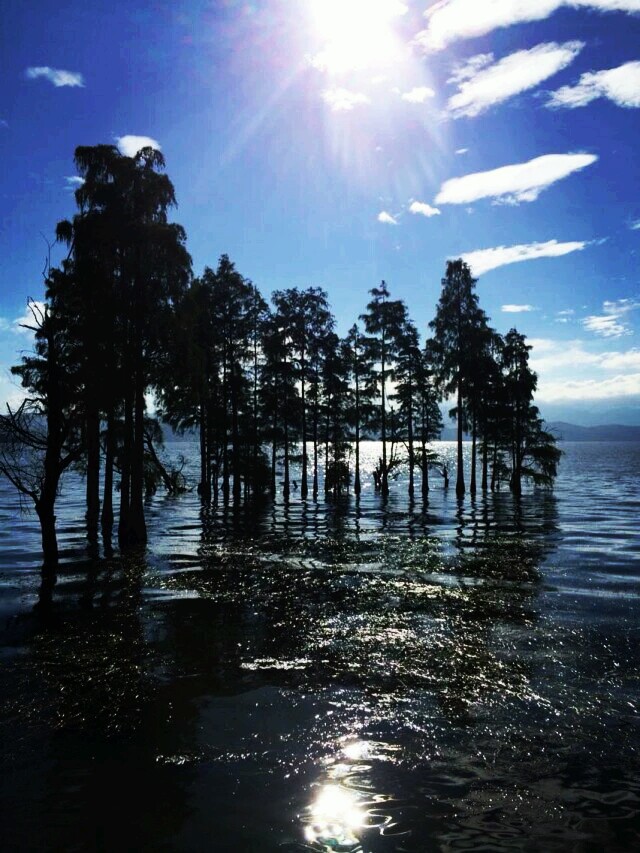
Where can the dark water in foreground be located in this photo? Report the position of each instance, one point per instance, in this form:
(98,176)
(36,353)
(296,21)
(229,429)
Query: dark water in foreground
(463,678)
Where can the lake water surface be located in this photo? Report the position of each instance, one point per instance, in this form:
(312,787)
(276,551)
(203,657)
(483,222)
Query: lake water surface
(368,677)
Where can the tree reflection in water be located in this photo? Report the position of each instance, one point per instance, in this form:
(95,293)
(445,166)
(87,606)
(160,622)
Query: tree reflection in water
(340,680)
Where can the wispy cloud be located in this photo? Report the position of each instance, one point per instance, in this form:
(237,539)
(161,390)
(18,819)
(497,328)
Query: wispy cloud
(418,95)
(451,20)
(74,181)
(129,145)
(635,226)
(558,361)
(423,209)
(517,309)
(612,323)
(386,218)
(344,100)
(516,183)
(483,260)
(620,85)
(461,150)
(58,76)
(559,356)
(483,83)
(565,390)
(3,123)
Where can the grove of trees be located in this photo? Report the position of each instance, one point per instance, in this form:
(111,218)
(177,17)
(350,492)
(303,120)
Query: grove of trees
(268,388)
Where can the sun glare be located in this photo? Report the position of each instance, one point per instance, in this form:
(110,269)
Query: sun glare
(335,816)
(356,34)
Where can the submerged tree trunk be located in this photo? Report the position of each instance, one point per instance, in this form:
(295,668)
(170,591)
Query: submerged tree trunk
(315,449)
(304,487)
(47,518)
(356,482)
(485,464)
(137,528)
(92,426)
(385,478)
(109,458)
(205,479)
(125,475)
(460,489)
(472,485)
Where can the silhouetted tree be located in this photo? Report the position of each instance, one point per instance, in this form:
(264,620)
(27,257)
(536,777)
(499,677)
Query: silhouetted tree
(452,327)
(384,321)
(40,439)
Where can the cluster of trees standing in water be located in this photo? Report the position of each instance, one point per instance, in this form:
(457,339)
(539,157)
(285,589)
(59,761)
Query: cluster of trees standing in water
(263,386)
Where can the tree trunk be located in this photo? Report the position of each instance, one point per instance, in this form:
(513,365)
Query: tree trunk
(46,516)
(304,488)
(205,480)
(385,479)
(107,499)
(411,453)
(460,489)
(137,529)
(125,475)
(472,485)
(235,439)
(315,450)
(356,482)
(485,464)
(92,426)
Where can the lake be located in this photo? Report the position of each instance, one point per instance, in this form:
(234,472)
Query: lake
(369,677)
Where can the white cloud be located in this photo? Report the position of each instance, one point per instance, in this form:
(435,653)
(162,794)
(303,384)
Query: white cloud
(129,145)
(553,356)
(558,361)
(418,95)
(483,260)
(28,319)
(451,20)
(387,218)
(517,309)
(620,85)
(57,76)
(516,183)
(484,84)
(74,181)
(564,390)
(343,100)
(635,226)
(462,150)
(612,323)
(423,209)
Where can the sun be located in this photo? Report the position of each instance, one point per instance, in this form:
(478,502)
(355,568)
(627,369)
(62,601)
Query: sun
(356,34)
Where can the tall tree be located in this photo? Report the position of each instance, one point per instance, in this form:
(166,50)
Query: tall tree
(364,392)
(532,449)
(452,329)
(384,321)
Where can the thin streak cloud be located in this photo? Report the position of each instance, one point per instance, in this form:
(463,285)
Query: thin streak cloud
(483,260)
(513,184)
(485,85)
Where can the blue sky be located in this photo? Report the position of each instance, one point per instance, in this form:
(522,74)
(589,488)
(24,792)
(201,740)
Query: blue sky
(339,142)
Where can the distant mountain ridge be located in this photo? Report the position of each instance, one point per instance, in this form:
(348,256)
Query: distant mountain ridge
(605,432)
